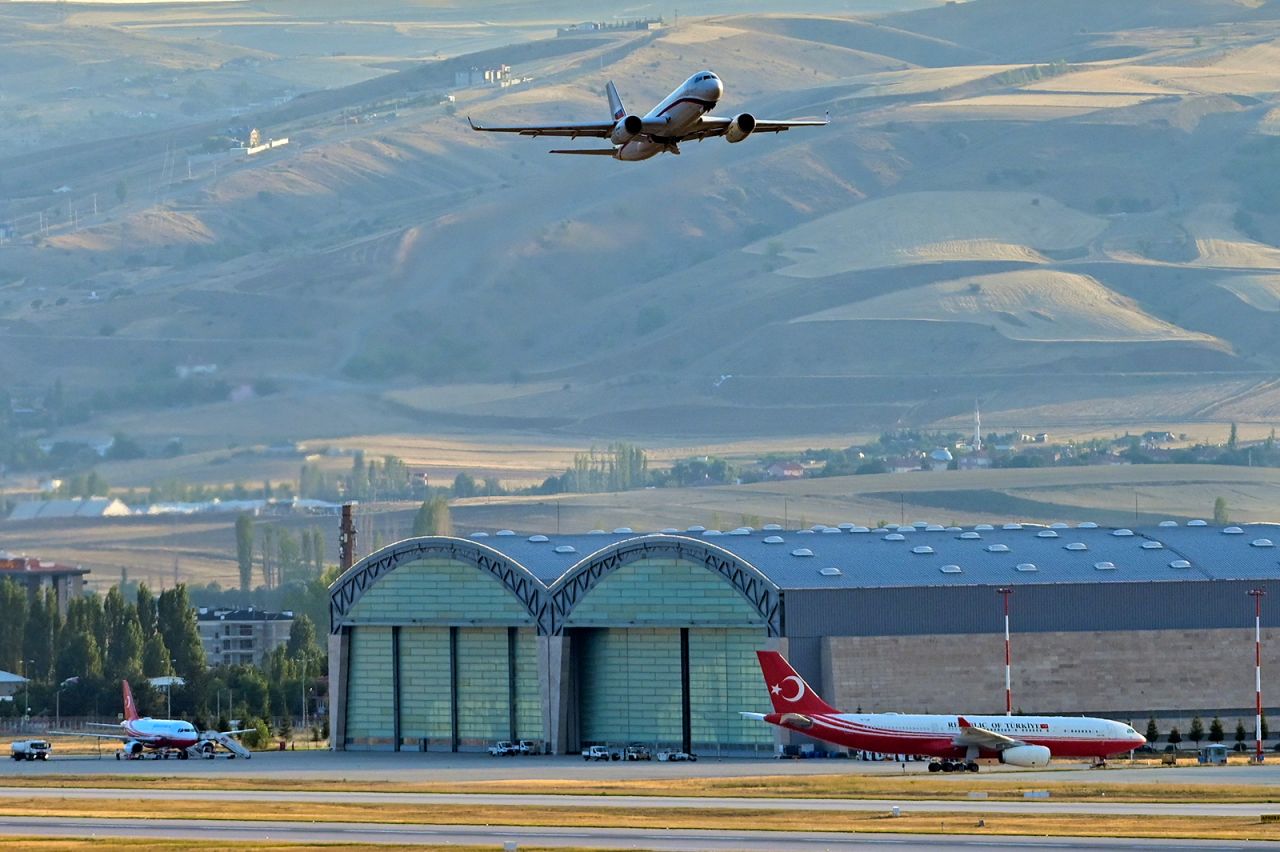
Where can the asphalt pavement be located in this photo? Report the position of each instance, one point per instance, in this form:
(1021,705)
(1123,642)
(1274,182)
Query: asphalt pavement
(678,840)
(445,768)
(174,793)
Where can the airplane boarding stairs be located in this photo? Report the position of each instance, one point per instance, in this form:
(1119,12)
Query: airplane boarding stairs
(205,748)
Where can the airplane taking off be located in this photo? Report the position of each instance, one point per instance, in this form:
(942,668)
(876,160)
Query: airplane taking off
(956,741)
(681,117)
(143,732)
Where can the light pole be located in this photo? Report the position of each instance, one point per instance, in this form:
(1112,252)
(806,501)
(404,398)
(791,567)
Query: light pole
(26,689)
(303,686)
(168,691)
(71,681)
(1008,680)
(1257,595)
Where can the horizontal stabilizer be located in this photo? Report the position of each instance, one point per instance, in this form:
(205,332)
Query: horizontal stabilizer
(590,152)
(755,717)
(796,720)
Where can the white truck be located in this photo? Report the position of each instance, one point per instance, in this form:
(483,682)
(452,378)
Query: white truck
(31,749)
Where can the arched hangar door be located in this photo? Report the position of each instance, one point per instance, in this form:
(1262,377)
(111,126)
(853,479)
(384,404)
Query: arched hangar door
(442,657)
(664,654)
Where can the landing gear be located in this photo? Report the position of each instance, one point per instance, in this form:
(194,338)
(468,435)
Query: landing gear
(953,766)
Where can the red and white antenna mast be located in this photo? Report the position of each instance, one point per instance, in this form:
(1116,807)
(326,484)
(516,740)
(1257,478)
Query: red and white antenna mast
(1257,595)
(1008,681)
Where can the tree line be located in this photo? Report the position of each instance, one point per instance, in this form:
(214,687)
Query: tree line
(75,662)
(1196,733)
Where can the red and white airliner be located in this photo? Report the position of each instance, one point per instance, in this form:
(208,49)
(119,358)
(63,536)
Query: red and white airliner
(956,741)
(142,732)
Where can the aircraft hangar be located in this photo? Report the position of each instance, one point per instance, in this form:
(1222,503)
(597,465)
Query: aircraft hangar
(445,643)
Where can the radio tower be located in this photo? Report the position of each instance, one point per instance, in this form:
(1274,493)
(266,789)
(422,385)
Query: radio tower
(977,428)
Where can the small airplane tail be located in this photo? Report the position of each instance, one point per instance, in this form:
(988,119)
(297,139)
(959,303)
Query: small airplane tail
(616,109)
(787,690)
(130,709)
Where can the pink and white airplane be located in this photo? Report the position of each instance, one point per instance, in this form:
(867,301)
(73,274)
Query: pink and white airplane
(681,117)
(957,741)
(143,732)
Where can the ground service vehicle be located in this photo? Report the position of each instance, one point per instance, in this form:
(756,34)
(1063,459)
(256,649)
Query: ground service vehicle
(636,751)
(599,752)
(31,749)
(503,748)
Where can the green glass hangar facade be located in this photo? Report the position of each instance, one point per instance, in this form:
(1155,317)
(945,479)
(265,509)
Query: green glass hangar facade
(449,644)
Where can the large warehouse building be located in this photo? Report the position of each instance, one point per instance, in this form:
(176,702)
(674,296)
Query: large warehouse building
(444,643)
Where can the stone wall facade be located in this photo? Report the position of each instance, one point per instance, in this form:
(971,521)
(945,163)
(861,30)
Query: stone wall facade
(1122,674)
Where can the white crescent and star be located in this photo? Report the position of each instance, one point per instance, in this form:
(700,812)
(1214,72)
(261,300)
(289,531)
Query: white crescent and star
(799,689)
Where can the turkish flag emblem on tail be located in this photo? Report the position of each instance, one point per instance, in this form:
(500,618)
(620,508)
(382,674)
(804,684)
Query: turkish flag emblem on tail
(787,690)
(130,709)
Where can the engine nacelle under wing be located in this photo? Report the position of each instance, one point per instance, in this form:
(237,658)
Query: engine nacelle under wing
(1025,755)
(627,128)
(740,128)
(133,747)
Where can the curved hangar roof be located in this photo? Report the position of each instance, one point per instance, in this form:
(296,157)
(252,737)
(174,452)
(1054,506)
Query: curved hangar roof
(930,555)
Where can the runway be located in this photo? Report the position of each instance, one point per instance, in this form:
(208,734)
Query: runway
(679,840)
(445,768)
(969,806)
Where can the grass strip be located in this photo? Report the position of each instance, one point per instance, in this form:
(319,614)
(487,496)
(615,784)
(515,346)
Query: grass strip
(781,786)
(123,844)
(789,820)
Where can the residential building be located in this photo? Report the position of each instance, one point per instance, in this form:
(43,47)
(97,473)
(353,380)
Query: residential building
(241,636)
(67,581)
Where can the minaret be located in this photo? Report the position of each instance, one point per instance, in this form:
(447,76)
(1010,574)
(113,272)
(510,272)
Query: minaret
(977,428)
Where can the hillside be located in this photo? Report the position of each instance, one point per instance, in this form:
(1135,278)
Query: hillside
(1097,171)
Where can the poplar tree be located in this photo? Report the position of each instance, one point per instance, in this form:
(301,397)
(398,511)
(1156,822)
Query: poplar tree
(146,606)
(177,626)
(43,625)
(244,550)
(13,603)
(155,657)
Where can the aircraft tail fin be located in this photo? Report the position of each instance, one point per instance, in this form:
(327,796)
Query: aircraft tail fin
(787,690)
(130,709)
(616,109)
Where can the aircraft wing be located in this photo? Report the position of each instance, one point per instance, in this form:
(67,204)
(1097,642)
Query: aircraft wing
(596,130)
(713,125)
(101,725)
(121,736)
(972,735)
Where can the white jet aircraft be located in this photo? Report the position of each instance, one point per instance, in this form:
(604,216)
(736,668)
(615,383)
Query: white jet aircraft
(139,733)
(681,117)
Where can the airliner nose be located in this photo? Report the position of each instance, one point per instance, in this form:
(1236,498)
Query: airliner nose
(716,88)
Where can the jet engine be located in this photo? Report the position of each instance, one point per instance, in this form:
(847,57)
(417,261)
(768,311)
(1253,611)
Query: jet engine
(133,747)
(627,129)
(1025,755)
(740,128)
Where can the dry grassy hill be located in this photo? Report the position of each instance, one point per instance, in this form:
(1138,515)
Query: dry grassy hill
(1093,169)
